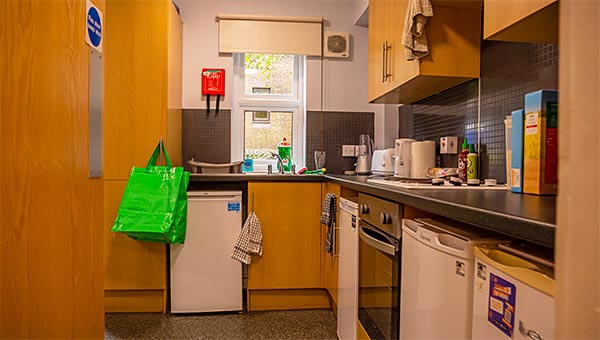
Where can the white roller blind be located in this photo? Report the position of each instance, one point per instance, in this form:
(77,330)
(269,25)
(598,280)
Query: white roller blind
(259,34)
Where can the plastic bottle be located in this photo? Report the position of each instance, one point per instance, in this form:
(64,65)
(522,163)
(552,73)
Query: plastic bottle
(285,152)
(472,163)
(462,161)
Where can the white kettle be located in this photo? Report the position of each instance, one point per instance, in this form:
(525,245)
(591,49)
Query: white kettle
(403,157)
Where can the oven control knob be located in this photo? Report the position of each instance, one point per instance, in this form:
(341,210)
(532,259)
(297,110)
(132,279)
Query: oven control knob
(364,208)
(385,218)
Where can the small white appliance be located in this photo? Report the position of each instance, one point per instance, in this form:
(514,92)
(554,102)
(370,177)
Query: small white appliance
(437,279)
(204,277)
(383,162)
(337,44)
(365,155)
(403,156)
(422,158)
(513,296)
(348,270)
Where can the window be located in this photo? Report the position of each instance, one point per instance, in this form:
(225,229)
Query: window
(268,106)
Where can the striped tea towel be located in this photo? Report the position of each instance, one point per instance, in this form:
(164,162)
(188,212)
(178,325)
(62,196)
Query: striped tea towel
(250,240)
(414,38)
(326,209)
(328,218)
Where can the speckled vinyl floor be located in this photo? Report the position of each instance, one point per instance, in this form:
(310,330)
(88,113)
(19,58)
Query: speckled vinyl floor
(300,324)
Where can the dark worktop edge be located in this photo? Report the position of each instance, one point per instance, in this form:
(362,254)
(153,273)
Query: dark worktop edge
(255,178)
(535,231)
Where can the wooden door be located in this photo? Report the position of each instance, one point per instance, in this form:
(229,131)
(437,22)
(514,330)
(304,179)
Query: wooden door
(289,214)
(51,212)
(330,262)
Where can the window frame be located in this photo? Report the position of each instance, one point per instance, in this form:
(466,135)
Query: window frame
(243,101)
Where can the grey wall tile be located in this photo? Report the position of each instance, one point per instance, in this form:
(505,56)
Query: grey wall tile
(206,138)
(508,72)
(328,131)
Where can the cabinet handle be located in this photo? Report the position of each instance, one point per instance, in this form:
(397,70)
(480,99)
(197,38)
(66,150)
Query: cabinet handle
(388,47)
(384,63)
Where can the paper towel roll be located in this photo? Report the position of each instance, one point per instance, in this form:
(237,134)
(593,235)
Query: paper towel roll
(423,158)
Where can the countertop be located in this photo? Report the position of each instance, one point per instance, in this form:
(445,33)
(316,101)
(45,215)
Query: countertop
(526,217)
(245,177)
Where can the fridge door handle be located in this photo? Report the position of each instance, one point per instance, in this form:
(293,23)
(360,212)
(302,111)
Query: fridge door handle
(533,335)
(386,247)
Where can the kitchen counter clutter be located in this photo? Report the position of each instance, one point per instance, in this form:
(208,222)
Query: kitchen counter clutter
(526,217)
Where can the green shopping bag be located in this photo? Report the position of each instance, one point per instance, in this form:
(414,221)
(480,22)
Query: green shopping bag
(154,205)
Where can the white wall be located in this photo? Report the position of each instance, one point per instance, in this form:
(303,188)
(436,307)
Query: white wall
(344,80)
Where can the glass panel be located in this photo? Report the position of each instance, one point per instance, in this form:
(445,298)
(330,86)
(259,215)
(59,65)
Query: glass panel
(264,130)
(378,293)
(269,73)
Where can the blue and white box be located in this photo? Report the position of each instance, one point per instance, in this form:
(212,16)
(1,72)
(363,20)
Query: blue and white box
(516,169)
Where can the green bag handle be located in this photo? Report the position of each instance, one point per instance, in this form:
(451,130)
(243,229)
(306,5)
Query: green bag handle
(154,157)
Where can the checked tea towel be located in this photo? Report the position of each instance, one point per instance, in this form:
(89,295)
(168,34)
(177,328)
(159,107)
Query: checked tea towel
(250,240)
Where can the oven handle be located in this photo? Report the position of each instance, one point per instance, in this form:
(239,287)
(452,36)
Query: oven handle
(388,248)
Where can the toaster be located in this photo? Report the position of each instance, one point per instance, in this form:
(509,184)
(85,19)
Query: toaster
(383,162)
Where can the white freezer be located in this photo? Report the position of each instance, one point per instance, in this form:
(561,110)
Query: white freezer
(204,277)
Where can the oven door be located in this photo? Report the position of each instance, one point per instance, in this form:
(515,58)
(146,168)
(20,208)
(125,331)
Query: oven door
(379,281)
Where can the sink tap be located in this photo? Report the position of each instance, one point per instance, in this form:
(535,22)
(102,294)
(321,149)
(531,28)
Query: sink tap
(280,162)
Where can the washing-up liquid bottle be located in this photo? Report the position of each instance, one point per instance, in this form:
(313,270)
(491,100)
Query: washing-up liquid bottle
(284,148)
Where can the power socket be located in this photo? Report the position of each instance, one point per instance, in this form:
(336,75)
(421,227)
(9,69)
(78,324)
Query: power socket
(349,150)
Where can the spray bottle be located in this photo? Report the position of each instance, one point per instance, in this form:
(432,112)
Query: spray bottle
(462,161)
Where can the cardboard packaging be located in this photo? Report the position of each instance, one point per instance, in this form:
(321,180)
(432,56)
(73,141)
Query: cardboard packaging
(540,152)
(516,168)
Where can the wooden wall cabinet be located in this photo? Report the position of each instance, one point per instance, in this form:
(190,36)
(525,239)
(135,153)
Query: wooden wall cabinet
(517,20)
(288,274)
(454,40)
(143,67)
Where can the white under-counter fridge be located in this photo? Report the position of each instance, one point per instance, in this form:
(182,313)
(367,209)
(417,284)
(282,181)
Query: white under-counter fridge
(437,278)
(204,277)
(513,294)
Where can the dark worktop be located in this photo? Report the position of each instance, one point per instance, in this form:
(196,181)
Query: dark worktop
(245,177)
(526,217)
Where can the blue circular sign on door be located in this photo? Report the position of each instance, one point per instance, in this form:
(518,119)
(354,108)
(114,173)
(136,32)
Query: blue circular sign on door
(94,26)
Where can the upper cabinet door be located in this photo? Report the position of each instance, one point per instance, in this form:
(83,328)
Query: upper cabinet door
(454,41)
(519,20)
(379,41)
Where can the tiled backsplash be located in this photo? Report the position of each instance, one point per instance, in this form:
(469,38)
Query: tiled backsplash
(508,72)
(205,137)
(328,131)
(208,139)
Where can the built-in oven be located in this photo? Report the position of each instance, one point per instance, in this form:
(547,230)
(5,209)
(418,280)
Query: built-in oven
(379,267)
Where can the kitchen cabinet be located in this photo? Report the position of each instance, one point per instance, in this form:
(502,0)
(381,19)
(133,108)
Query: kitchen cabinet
(516,20)
(453,35)
(289,214)
(330,262)
(288,274)
(143,72)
